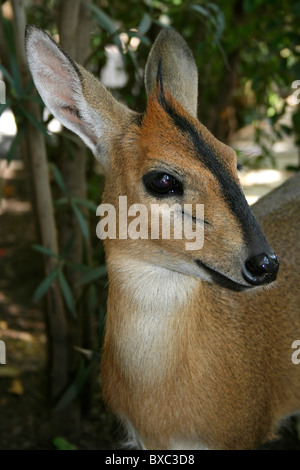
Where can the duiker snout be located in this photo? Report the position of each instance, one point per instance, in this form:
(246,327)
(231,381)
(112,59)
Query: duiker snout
(261,268)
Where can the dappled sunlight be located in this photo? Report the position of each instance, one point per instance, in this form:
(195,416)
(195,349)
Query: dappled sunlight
(113,73)
(9,203)
(8,170)
(15,325)
(261,177)
(23,331)
(14,334)
(14,206)
(7,123)
(257,183)
(252,199)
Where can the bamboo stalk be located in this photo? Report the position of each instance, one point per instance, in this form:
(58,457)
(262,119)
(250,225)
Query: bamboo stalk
(36,157)
(74,25)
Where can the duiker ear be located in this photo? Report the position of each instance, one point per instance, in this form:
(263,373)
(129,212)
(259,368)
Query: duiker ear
(178,67)
(72,94)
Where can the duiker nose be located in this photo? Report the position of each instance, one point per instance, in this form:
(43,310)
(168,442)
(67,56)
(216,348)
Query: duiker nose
(261,269)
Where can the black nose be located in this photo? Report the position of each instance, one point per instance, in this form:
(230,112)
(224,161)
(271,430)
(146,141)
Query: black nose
(261,269)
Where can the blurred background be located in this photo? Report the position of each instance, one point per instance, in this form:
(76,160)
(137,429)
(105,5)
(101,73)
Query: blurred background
(53,283)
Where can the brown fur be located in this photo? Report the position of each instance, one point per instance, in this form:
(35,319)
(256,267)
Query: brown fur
(185,361)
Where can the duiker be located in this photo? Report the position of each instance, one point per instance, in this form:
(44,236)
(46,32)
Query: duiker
(198,343)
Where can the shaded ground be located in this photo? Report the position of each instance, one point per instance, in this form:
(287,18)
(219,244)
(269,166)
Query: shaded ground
(23,380)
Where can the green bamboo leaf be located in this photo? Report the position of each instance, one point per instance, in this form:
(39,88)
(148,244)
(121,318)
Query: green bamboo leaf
(106,23)
(63,444)
(85,203)
(199,9)
(84,371)
(93,275)
(133,58)
(39,125)
(59,179)
(218,20)
(75,388)
(29,87)
(25,96)
(8,30)
(214,7)
(81,220)
(7,75)
(3,107)
(67,293)
(61,201)
(68,245)
(118,43)
(14,146)
(145,24)
(45,285)
(70,394)
(82,268)
(103,19)
(92,299)
(45,251)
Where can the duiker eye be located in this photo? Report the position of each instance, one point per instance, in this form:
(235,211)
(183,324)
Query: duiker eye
(162,184)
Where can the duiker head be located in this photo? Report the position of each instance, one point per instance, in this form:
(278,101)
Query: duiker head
(165,156)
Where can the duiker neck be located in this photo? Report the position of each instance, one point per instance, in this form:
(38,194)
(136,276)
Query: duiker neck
(151,286)
(149,310)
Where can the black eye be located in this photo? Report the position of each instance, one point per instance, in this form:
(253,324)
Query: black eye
(162,184)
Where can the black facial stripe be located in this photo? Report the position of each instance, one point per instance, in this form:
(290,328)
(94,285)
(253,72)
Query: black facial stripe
(230,189)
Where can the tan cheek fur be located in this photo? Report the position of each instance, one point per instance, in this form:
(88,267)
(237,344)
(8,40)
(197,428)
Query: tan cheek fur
(141,150)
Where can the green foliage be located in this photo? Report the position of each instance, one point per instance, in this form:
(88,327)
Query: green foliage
(247,53)
(45,285)
(93,275)
(89,275)
(60,443)
(15,94)
(75,388)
